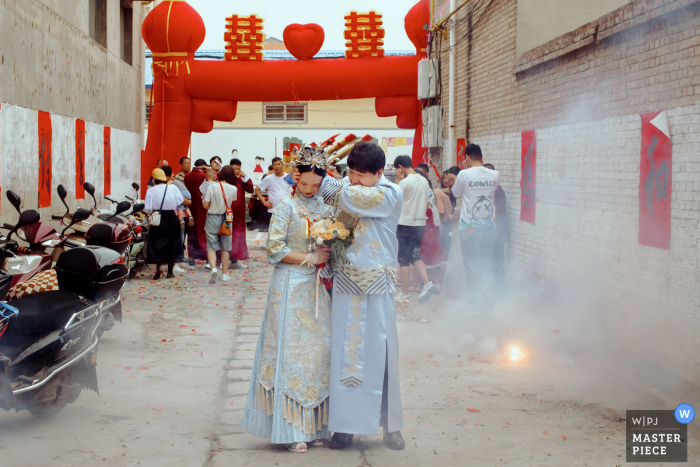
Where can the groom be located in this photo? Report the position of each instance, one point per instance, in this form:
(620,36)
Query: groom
(364,387)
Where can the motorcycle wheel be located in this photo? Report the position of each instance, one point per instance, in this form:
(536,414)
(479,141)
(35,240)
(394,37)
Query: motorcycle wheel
(47,410)
(51,405)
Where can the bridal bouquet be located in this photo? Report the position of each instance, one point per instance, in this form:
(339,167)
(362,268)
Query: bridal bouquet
(334,234)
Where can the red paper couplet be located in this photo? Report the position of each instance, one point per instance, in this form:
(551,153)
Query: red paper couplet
(528,177)
(79,159)
(44,159)
(655,181)
(461,146)
(108,161)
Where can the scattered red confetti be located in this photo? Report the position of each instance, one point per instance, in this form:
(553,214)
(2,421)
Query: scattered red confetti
(143,368)
(231,402)
(459,356)
(556,331)
(541,400)
(452,396)
(159,410)
(128,311)
(474,410)
(507,422)
(563,437)
(164,340)
(609,409)
(183,326)
(545,432)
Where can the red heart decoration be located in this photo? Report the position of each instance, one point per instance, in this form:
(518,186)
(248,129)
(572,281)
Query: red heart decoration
(303,40)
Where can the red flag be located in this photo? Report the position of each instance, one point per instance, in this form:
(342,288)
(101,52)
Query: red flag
(44,159)
(461,146)
(108,161)
(655,181)
(79,159)
(528,177)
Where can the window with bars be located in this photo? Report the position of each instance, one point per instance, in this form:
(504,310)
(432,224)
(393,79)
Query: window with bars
(284,113)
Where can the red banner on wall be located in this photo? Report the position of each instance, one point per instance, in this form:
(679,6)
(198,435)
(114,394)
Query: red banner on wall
(461,146)
(79,159)
(108,161)
(655,181)
(528,177)
(44,159)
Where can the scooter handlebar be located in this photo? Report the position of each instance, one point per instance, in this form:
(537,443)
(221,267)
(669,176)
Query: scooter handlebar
(71,244)
(56,217)
(8,226)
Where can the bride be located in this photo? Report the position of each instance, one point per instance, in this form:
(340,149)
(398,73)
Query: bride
(289,384)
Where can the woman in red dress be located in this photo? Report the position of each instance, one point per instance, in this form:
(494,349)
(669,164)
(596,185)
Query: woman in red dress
(239,248)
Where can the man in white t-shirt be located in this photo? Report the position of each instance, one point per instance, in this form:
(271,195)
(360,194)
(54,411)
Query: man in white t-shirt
(474,189)
(411,228)
(276,187)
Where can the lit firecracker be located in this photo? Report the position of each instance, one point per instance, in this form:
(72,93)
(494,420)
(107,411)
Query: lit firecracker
(364,34)
(244,38)
(515,354)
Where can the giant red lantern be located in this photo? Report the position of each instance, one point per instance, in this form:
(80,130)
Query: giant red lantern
(190,94)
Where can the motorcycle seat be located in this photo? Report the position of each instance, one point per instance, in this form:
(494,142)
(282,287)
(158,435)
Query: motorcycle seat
(39,315)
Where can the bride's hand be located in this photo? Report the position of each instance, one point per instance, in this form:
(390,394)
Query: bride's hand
(295,175)
(324,254)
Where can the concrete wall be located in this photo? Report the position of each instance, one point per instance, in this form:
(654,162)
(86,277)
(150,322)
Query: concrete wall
(540,21)
(49,62)
(19,162)
(583,98)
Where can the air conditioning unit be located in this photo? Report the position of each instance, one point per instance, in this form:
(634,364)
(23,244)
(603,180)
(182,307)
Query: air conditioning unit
(432,127)
(428,71)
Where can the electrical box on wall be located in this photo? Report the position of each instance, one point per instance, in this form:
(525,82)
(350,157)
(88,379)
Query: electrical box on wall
(427,78)
(432,127)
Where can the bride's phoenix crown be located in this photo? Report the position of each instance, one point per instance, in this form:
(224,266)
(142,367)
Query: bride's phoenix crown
(315,157)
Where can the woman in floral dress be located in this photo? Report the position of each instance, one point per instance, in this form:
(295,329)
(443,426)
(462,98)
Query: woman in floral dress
(289,384)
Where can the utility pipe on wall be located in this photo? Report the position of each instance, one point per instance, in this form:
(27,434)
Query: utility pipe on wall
(451,129)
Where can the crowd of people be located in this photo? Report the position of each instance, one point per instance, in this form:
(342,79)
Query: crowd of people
(453,232)
(200,215)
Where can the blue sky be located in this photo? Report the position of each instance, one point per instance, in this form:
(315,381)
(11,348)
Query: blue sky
(329,14)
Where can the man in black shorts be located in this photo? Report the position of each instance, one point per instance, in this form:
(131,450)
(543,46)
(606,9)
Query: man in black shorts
(412,226)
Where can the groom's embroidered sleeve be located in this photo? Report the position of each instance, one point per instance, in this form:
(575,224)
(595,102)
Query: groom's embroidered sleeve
(357,200)
(277,234)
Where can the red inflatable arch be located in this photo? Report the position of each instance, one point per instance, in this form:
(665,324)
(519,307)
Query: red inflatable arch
(190,94)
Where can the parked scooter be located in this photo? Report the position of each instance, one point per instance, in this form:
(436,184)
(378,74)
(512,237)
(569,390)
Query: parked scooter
(48,340)
(24,263)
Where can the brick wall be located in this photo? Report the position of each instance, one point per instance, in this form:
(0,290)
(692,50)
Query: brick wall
(583,94)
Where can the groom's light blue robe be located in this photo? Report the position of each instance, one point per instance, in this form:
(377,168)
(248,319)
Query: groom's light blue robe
(364,338)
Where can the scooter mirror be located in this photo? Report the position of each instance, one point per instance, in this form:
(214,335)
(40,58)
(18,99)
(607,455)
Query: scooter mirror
(62,193)
(122,207)
(135,186)
(14,199)
(27,218)
(89,188)
(137,208)
(80,215)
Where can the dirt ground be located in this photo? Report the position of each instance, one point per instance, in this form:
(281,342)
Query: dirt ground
(173,378)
